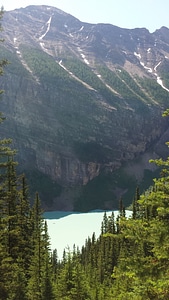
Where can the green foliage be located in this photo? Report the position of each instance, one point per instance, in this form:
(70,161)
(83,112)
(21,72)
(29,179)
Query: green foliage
(125,86)
(83,72)
(72,283)
(145,272)
(39,283)
(43,66)
(14,64)
(154,90)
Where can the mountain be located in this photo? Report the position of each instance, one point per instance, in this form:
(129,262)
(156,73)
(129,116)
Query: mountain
(83,105)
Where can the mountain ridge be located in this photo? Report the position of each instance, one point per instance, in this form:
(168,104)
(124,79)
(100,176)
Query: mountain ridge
(81,101)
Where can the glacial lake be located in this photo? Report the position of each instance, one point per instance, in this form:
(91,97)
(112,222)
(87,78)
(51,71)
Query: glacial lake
(68,228)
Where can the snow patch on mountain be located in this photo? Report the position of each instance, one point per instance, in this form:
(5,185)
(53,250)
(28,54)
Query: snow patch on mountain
(137,54)
(42,44)
(146,68)
(81,28)
(83,56)
(48,23)
(150,70)
(159,80)
(155,68)
(75,77)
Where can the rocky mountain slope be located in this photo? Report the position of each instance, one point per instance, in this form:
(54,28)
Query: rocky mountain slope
(83,105)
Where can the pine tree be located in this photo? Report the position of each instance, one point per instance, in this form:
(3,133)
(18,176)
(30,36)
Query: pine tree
(55,264)
(73,283)
(47,283)
(135,204)
(35,268)
(40,270)
(24,221)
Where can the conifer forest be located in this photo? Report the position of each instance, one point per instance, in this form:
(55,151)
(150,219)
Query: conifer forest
(129,260)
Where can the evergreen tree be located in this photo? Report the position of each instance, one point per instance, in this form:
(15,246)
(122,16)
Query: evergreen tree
(40,285)
(73,283)
(35,268)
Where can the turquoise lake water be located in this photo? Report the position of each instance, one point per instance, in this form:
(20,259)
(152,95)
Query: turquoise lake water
(68,228)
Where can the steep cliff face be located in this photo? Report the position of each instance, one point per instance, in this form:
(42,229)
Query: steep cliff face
(82,103)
